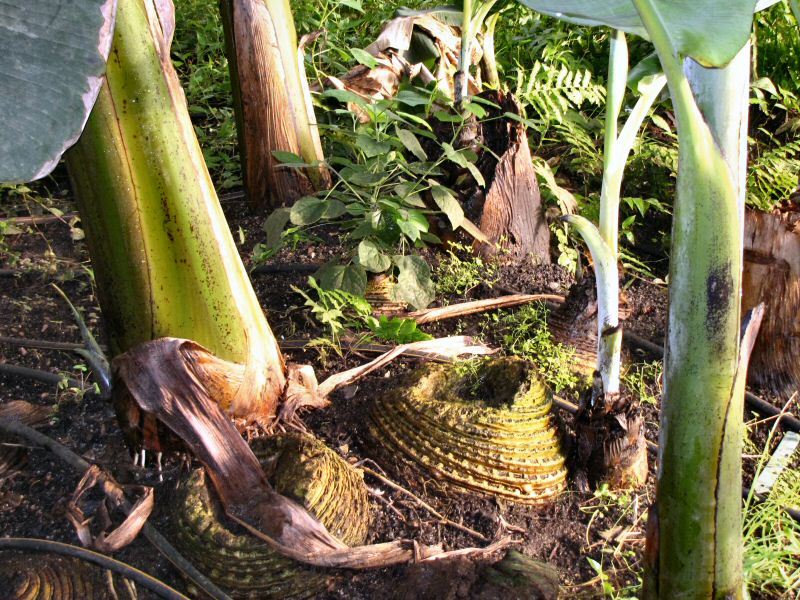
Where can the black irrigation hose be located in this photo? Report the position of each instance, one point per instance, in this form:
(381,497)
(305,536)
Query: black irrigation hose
(125,570)
(285,268)
(792,512)
(38,375)
(757,404)
(46,344)
(151,533)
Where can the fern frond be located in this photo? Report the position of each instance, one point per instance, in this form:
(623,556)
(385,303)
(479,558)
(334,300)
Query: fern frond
(773,175)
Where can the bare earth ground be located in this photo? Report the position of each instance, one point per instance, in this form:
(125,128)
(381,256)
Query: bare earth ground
(607,529)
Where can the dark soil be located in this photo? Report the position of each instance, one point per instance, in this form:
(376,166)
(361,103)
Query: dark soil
(606,527)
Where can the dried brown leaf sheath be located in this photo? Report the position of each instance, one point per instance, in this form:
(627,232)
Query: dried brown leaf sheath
(165,378)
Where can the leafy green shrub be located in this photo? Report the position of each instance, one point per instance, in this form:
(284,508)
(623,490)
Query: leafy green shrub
(455,275)
(523,332)
(384,190)
(339,310)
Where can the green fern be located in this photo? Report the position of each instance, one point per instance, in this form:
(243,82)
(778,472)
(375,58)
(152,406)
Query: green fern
(773,175)
(552,91)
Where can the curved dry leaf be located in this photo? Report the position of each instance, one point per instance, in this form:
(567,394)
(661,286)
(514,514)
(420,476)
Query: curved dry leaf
(161,378)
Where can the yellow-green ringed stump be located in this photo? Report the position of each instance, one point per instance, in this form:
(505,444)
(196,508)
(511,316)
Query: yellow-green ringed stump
(299,467)
(487,429)
(38,576)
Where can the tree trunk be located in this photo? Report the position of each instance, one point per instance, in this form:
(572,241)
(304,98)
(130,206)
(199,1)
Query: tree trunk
(511,213)
(772,275)
(271,101)
(165,261)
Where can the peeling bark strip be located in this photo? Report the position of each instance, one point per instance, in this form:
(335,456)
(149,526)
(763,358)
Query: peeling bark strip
(271,101)
(163,379)
(512,214)
(728,475)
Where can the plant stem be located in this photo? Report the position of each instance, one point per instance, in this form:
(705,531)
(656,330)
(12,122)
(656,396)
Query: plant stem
(699,548)
(612,177)
(165,261)
(461,79)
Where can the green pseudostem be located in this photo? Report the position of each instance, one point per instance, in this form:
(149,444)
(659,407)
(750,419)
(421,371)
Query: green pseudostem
(165,261)
(700,436)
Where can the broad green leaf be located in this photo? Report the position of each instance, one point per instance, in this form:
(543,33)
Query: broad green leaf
(414,283)
(287,157)
(461,160)
(348,278)
(643,73)
(412,98)
(795,4)
(709,31)
(274,225)
(371,258)
(448,204)
(354,4)
(346,96)
(411,143)
(307,210)
(412,223)
(402,331)
(363,57)
(371,146)
(333,209)
(52,59)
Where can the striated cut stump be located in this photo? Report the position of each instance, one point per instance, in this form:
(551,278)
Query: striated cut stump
(610,446)
(302,468)
(515,577)
(511,212)
(488,430)
(771,275)
(44,576)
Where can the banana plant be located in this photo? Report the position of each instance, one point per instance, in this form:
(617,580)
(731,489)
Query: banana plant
(473,17)
(163,256)
(602,242)
(697,523)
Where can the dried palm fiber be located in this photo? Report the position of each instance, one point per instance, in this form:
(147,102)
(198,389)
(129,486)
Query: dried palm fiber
(380,294)
(13,457)
(771,274)
(489,431)
(299,466)
(574,324)
(38,576)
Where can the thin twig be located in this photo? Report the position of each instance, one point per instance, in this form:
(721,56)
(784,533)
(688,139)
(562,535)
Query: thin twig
(442,519)
(150,532)
(379,497)
(125,570)
(39,219)
(430,315)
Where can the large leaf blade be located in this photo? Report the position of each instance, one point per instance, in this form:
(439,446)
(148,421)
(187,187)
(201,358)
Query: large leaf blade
(709,31)
(52,59)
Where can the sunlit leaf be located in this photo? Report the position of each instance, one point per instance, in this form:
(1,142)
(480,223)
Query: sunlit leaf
(709,31)
(52,59)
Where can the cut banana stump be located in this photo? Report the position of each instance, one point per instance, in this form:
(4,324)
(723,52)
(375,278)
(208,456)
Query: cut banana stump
(488,430)
(300,467)
(41,576)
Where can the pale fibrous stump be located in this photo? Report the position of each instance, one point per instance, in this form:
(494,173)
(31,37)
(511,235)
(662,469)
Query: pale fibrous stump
(488,430)
(771,274)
